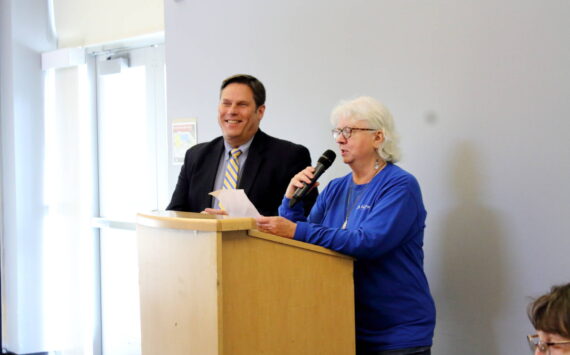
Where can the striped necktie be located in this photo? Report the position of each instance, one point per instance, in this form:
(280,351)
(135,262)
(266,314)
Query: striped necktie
(232,170)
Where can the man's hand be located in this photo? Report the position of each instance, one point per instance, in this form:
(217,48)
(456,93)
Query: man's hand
(215,211)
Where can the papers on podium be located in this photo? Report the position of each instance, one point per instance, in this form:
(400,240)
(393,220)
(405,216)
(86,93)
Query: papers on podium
(236,203)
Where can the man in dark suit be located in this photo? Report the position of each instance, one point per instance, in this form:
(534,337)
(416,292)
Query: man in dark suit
(266,164)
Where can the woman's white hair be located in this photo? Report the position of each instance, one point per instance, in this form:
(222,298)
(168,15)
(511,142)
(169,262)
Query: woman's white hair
(377,116)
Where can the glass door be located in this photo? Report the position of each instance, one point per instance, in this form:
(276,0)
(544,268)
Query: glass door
(133,171)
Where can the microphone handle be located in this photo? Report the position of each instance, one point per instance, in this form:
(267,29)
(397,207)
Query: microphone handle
(301,192)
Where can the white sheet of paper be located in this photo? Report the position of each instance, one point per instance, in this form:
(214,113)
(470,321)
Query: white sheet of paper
(236,203)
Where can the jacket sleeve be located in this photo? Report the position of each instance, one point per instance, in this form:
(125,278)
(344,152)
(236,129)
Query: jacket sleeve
(179,198)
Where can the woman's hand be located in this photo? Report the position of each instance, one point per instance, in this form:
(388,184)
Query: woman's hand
(305,176)
(277,225)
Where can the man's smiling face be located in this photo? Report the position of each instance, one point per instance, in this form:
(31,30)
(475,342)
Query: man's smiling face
(238,115)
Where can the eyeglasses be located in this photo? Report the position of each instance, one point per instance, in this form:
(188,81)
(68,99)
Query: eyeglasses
(544,347)
(347,131)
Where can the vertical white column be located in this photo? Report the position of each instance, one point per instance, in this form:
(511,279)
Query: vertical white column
(24,33)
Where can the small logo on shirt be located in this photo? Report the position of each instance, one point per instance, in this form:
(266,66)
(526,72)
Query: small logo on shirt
(363,207)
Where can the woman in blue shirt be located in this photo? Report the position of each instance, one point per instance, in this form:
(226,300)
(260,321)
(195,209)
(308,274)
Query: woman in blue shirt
(375,214)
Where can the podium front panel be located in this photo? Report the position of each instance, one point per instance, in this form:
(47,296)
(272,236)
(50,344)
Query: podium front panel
(178,275)
(282,299)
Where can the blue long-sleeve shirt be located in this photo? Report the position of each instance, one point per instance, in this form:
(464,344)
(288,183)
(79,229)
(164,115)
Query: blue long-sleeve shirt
(384,232)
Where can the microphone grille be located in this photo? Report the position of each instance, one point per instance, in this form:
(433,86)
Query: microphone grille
(327,158)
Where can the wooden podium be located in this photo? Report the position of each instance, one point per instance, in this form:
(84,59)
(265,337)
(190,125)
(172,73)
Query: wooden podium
(218,286)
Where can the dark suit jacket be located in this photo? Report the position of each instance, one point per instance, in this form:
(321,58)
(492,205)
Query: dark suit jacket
(268,169)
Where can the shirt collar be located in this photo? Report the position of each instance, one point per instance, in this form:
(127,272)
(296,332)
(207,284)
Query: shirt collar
(244,147)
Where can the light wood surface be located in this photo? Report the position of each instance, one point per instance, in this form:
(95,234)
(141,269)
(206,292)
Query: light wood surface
(178,276)
(208,289)
(193,221)
(276,239)
(293,300)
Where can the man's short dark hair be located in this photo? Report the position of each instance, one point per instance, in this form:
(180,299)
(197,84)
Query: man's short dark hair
(255,85)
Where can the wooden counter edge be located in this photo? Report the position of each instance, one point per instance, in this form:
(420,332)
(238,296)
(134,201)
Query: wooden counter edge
(295,243)
(193,221)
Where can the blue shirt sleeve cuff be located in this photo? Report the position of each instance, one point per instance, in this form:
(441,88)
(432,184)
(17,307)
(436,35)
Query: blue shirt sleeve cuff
(288,212)
(301,231)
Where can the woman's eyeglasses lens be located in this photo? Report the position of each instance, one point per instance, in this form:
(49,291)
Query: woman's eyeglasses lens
(346,132)
(535,344)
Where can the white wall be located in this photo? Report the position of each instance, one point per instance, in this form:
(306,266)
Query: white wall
(86,22)
(479,91)
(25,33)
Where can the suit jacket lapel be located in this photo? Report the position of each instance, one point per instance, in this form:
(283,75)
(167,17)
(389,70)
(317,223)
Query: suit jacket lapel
(253,163)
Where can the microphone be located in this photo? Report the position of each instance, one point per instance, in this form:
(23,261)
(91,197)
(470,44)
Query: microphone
(324,162)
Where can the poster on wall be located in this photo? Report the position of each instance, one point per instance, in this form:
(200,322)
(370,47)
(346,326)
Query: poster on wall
(183,137)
